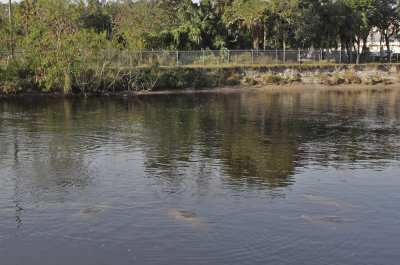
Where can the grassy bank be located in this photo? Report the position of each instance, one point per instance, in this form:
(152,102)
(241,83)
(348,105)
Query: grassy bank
(17,77)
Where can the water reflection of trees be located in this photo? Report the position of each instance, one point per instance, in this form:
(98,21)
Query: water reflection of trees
(193,136)
(350,127)
(194,142)
(258,148)
(258,140)
(39,133)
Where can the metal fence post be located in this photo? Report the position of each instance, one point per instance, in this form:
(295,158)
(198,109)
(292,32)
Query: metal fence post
(340,56)
(320,55)
(177,58)
(284,54)
(299,57)
(204,62)
(229,56)
(357,57)
(252,56)
(276,56)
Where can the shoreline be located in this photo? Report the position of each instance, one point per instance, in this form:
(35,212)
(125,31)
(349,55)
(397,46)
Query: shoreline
(269,88)
(296,87)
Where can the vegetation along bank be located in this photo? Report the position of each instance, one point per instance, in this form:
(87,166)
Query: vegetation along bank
(91,81)
(71,47)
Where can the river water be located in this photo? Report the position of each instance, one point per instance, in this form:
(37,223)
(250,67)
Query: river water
(289,177)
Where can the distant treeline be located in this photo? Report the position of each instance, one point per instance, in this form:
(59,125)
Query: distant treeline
(209,24)
(56,33)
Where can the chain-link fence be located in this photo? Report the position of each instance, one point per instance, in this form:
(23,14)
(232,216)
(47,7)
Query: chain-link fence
(5,56)
(248,57)
(125,58)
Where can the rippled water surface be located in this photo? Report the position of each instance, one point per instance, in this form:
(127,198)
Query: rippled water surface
(290,177)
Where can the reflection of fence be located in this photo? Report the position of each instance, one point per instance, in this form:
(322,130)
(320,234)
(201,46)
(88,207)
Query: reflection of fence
(127,58)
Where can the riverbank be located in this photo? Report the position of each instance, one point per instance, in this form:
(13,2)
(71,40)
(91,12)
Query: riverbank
(153,80)
(298,87)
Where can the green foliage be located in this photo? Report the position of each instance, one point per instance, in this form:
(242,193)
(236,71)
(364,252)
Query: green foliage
(247,16)
(337,80)
(182,78)
(233,79)
(272,79)
(324,79)
(250,81)
(172,24)
(65,40)
(351,77)
(16,76)
(220,77)
(295,79)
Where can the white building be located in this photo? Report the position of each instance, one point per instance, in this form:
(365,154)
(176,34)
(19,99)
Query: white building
(376,43)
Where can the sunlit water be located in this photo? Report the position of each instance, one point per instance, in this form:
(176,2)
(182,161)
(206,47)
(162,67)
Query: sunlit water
(308,177)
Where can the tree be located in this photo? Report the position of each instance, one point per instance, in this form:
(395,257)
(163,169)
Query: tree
(206,27)
(94,16)
(361,13)
(386,18)
(155,24)
(247,16)
(294,22)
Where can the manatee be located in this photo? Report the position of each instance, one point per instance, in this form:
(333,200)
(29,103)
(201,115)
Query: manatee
(327,219)
(58,205)
(93,209)
(182,215)
(330,202)
(85,214)
(188,218)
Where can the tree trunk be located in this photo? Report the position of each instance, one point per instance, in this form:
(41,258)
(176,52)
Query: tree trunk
(284,51)
(265,36)
(256,41)
(357,45)
(328,44)
(351,51)
(387,42)
(364,44)
(11,28)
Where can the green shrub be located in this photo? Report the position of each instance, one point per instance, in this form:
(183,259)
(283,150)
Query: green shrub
(324,79)
(199,79)
(248,80)
(272,79)
(14,77)
(351,78)
(8,87)
(220,77)
(233,79)
(337,80)
(295,79)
